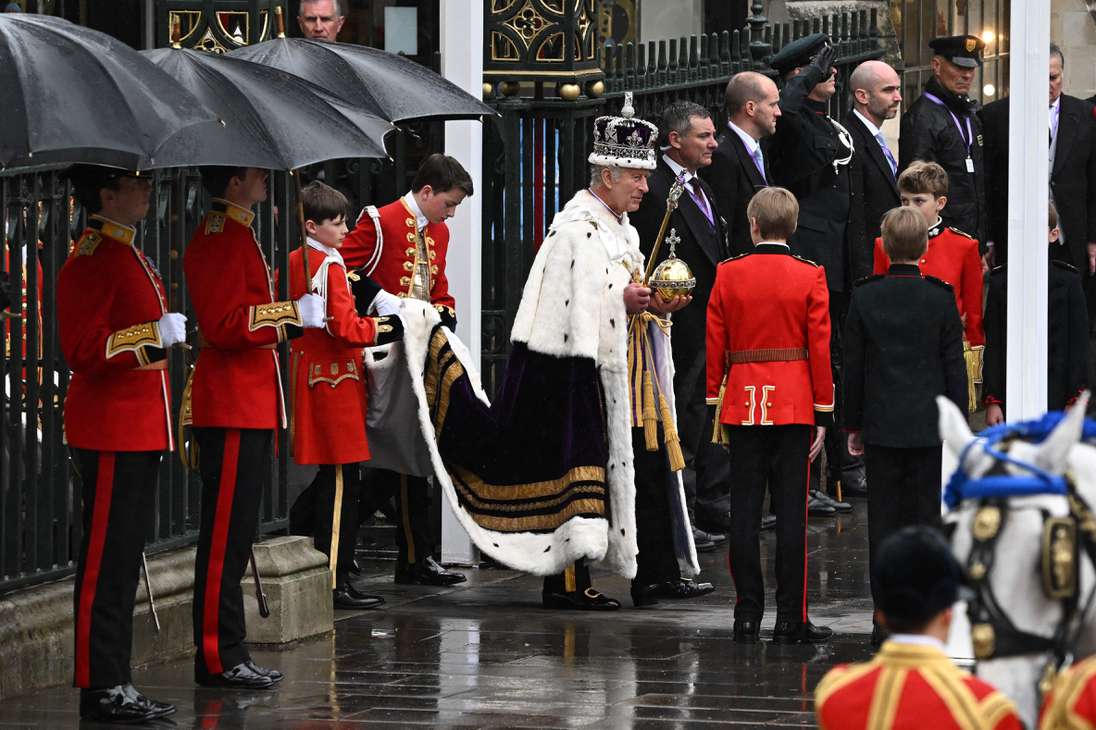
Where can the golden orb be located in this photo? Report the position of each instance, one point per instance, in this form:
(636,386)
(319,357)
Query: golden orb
(509,88)
(569,92)
(595,89)
(488,90)
(672,278)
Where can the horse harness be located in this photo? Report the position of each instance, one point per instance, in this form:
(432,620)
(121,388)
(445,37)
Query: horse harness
(993,634)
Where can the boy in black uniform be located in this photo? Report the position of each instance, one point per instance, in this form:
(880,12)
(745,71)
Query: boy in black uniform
(1067,335)
(903,347)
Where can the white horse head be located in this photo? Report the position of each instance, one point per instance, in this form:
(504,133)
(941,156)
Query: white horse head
(1013,572)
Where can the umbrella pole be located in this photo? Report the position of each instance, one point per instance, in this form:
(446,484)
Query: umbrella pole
(295,174)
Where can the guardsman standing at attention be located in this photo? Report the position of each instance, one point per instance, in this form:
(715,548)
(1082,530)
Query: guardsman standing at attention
(769,375)
(236,403)
(402,248)
(114,329)
(911,682)
(328,382)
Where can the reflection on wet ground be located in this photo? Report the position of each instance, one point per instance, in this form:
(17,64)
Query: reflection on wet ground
(484,654)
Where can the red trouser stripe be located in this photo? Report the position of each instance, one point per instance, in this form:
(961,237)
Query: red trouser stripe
(221,518)
(100,515)
(806,518)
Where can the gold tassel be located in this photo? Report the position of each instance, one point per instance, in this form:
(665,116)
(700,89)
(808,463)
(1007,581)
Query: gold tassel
(187,454)
(973,358)
(650,420)
(669,435)
(719,434)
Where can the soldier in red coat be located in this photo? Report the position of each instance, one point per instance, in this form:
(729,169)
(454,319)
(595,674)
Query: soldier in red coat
(328,382)
(114,328)
(402,247)
(1071,703)
(952,255)
(768,352)
(911,683)
(236,403)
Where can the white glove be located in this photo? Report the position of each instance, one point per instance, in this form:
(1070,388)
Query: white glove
(385,304)
(313,310)
(172,329)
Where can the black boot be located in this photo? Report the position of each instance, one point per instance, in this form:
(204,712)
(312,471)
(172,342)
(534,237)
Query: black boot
(120,704)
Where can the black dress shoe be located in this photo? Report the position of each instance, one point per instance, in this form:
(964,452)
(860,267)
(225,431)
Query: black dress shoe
(343,598)
(274,674)
(121,704)
(817,507)
(841,507)
(800,632)
(644,596)
(353,591)
(854,485)
(241,676)
(587,600)
(747,631)
(428,573)
(768,522)
(703,542)
(682,588)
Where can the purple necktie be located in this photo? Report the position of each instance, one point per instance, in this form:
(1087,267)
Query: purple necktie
(701,201)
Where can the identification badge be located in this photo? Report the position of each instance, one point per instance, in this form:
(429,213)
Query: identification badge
(970,165)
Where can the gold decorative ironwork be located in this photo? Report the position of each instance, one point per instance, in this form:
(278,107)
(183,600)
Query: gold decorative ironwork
(528,23)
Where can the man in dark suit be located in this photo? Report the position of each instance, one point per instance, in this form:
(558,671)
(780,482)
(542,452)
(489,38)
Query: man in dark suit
(688,146)
(739,168)
(1072,150)
(876,94)
(811,156)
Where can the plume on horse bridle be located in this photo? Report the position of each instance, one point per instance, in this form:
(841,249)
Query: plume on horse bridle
(993,633)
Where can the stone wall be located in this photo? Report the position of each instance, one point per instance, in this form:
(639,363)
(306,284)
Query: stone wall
(1073,28)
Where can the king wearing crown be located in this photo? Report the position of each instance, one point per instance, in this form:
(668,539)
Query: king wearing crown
(544,479)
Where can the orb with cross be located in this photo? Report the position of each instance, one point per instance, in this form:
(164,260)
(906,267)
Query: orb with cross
(672,277)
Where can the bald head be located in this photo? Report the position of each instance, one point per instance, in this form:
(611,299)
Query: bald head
(753,103)
(876,91)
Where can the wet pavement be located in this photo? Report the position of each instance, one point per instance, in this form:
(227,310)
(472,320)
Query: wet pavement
(485,654)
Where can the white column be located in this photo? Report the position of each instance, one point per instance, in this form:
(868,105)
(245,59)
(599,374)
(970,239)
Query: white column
(461,24)
(1026,385)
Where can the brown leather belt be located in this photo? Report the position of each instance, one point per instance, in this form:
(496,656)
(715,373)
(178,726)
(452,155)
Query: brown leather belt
(768,354)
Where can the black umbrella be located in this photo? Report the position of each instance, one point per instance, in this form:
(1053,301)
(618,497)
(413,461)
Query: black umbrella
(272,119)
(70,94)
(388,85)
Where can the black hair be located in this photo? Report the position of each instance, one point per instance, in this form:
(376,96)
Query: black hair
(215,178)
(442,173)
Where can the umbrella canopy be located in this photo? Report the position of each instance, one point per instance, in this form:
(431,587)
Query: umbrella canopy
(70,94)
(272,119)
(390,86)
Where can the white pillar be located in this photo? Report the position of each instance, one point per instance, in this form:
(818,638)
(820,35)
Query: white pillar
(461,24)
(1026,359)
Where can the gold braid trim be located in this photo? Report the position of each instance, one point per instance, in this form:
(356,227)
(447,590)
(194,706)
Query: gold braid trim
(973,357)
(719,434)
(132,339)
(275,314)
(188,453)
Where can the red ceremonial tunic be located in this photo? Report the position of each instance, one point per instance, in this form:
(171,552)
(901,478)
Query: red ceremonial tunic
(951,256)
(769,326)
(1072,701)
(390,258)
(109,303)
(236,382)
(909,686)
(329,395)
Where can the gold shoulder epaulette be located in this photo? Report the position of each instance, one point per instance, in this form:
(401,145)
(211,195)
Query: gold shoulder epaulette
(804,260)
(736,257)
(214,222)
(88,243)
(964,234)
(938,282)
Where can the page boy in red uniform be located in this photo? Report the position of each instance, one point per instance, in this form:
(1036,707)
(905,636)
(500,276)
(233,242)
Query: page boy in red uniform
(114,329)
(328,381)
(236,403)
(402,247)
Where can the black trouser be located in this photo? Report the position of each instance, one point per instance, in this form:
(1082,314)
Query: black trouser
(311,514)
(776,455)
(575,578)
(905,490)
(414,538)
(838,459)
(707,475)
(234,464)
(118,490)
(654,529)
